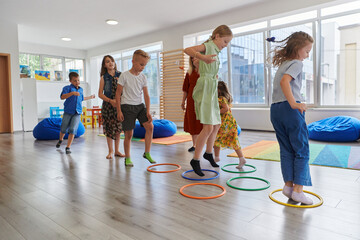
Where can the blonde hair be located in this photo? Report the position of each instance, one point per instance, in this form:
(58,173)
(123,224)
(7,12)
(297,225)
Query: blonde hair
(191,66)
(223,91)
(290,47)
(103,68)
(222,30)
(141,53)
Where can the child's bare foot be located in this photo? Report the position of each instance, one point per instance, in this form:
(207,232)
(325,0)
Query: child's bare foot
(217,159)
(119,154)
(242,162)
(109,156)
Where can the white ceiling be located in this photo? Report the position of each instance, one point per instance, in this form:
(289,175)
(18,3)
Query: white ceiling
(46,21)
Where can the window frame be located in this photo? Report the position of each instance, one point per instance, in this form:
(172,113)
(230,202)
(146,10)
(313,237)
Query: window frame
(316,23)
(63,64)
(247,105)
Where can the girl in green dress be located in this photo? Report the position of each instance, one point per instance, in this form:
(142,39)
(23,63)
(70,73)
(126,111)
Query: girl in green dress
(205,93)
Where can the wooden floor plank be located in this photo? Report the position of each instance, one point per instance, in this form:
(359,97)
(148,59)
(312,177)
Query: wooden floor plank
(298,227)
(29,222)
(46,194)
(8,232)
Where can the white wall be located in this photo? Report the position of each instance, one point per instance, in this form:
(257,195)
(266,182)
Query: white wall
(93,73)
(51,50)
(9,45)
(29,103)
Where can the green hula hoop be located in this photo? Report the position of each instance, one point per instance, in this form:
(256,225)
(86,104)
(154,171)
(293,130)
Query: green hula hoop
(250,171)
(248,189)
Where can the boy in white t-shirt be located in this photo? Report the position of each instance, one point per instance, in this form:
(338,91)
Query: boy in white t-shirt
(132,85)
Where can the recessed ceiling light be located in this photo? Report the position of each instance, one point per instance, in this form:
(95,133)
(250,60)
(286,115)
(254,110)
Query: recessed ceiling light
(111,22)
(66,39)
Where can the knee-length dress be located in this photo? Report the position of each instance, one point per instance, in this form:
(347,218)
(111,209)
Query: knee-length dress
(205,92)
(227,136)
(191,125)
(111,125)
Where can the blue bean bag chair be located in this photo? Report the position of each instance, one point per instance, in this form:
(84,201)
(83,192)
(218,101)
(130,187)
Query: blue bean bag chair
(335,129)
(49,129)
(162,128)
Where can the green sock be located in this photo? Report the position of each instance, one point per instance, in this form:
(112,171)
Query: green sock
(148,157)
(128,162)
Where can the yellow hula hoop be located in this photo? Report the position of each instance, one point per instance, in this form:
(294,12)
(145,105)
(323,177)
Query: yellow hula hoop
(160,164)
(297,206)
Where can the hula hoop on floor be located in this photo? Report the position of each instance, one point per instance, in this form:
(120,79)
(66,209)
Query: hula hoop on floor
(160,164)
(297,206)
(250,171)
(210,197)
(249,189)
(201,179)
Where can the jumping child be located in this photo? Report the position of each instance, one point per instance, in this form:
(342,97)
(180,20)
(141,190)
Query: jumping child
(205,93)
(287,114)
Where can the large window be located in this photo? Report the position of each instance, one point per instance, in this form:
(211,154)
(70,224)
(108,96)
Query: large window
(59,67)
(75,64)
(247,69)
(152,74)
(53,65)
(224,66)
(330,77)
(340,79)
(30,60)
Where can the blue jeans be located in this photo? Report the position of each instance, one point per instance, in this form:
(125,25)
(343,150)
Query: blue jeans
(70,122)
(293,137)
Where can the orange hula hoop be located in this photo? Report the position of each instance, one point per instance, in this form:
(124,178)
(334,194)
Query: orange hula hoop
(211,197)
(159,164)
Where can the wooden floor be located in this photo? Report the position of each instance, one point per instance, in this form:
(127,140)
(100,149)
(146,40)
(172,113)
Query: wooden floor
(46,194)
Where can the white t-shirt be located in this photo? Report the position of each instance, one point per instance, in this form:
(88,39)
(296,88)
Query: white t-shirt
(132,88)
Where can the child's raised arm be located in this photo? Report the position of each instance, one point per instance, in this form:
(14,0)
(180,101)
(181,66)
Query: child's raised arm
(195,52)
